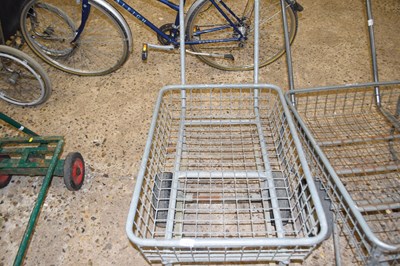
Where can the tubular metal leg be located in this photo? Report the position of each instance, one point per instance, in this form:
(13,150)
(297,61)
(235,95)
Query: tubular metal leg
(373,50)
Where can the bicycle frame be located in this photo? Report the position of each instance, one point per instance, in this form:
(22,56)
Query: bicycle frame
(172,39)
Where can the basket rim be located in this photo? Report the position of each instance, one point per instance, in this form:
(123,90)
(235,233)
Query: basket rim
(232,242)
(371,236)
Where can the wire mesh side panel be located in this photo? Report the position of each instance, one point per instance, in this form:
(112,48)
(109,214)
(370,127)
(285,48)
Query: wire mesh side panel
(224,254)
(222,169)
(361,142)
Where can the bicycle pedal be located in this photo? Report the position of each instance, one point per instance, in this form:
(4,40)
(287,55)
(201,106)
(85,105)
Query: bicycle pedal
(145,52)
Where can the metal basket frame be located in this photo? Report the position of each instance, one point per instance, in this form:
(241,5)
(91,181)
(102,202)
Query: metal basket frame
(352,161)
(283,233)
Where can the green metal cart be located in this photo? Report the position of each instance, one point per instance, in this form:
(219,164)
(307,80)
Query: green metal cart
(37,156)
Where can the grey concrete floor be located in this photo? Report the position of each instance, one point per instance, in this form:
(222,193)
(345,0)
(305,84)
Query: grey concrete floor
(107,119)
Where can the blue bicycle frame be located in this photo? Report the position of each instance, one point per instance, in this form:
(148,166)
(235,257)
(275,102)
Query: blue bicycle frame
(172,38)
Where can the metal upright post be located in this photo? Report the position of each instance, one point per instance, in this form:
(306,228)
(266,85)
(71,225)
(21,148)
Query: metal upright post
(182,41)
(373,50)
(269,184)
(256,40)
(288,51)
(175,179)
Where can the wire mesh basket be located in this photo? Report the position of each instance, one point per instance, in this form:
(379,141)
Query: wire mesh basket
(223,178)
(353,146)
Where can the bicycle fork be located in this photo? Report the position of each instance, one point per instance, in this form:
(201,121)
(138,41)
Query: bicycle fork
(85,15)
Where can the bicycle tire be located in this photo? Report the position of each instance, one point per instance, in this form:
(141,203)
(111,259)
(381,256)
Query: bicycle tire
(22,80)
(102,48)
(47,39)
(202,16)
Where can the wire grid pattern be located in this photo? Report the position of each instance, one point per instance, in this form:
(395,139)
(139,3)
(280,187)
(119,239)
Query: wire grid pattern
(361,143)
(222,189)
(224,254)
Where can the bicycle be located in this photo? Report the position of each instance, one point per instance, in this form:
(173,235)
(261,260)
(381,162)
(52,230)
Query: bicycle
(90,37)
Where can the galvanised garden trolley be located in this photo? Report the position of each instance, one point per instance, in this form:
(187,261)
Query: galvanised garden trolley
(37,156)
(357,147)
(223,178)
(352,139)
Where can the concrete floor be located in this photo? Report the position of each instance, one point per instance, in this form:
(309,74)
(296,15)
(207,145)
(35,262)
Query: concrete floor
(107,119)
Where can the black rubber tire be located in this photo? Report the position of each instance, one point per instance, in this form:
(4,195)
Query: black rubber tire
(4,179)
(74,171)
(160,197)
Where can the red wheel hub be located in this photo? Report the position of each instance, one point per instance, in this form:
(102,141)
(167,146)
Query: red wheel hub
(77,172)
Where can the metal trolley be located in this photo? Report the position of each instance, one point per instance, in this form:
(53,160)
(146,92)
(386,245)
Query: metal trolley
(354,149)
(223,178)
(352,142)
(37,156)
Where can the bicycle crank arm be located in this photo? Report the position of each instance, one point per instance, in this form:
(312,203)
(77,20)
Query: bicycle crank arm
(225,56)
(147,46)
(160,47)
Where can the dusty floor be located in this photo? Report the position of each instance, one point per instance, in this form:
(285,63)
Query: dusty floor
(107,119)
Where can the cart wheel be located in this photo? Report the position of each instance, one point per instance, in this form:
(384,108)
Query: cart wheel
(4,179)
(74,171)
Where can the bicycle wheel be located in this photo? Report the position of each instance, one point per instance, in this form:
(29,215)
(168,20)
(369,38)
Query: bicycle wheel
(49,31)
(205,22)
(22,80)
(49,27)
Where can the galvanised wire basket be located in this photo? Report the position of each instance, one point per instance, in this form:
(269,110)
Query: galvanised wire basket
(224,179)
